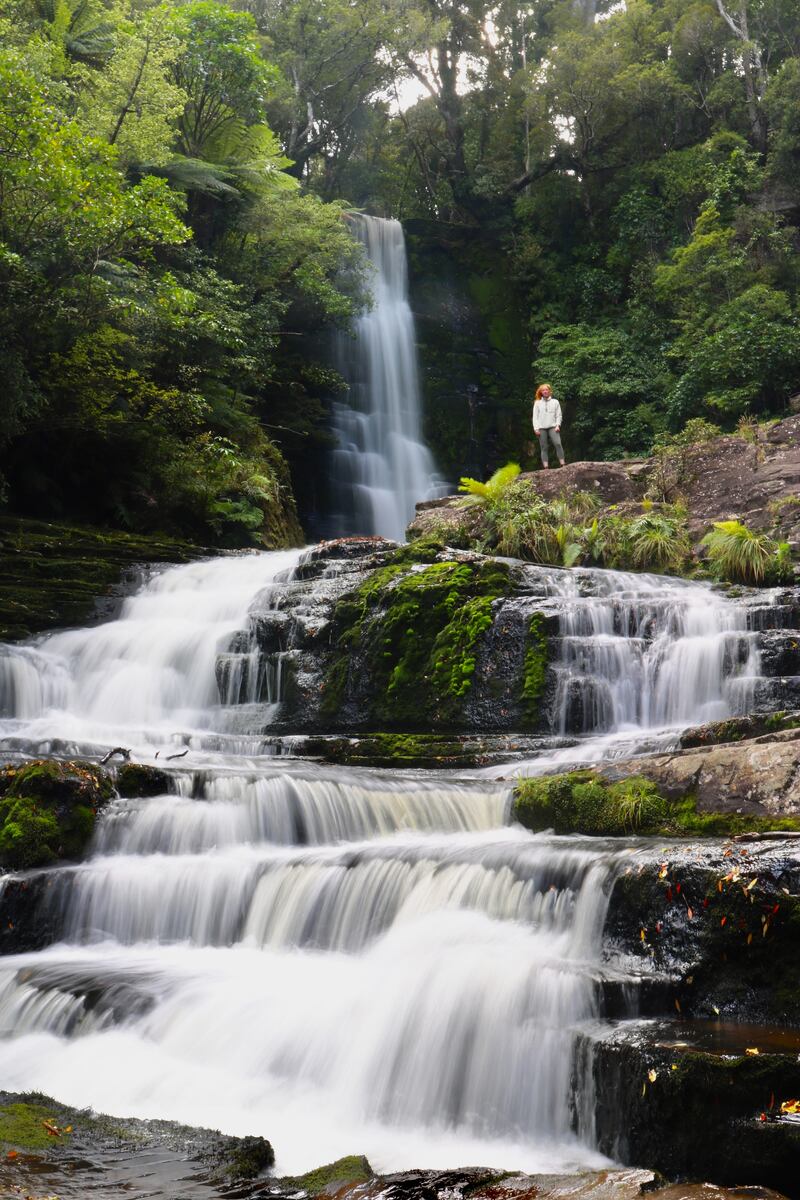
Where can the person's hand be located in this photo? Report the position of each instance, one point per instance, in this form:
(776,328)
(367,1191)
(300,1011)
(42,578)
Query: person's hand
(558,429)
(536,431)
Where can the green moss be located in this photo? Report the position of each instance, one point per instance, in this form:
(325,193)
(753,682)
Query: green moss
(53,574)
(584,802)
(47,810)
(139,780)
(250,1156)
(534,674)
(409,637)
(345,1171)
(22,1126)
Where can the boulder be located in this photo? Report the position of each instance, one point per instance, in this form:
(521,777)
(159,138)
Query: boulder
(757,776)
(48,809)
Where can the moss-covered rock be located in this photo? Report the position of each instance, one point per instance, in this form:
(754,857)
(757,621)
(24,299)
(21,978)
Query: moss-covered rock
(30,1126)
(42,1136)
(48,809)
(138,780)
(602,805)
(331,1178)
(58,574)
(405,642)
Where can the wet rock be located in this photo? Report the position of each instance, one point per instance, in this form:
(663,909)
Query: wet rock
(691,1113)
(27,921)
(138,780)
(737,729)
(58,1147)
(48,809)
(756,776)
(721,921)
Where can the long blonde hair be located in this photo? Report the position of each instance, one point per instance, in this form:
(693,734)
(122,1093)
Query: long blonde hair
(541,388)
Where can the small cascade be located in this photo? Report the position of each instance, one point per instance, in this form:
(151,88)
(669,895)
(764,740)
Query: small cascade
(180,649)
(465,965)
(339,958)
(643,651)
(382,467)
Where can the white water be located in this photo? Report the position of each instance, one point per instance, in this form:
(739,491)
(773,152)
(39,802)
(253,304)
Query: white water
(342,961)
(149,678)
(644,650)
(382,467)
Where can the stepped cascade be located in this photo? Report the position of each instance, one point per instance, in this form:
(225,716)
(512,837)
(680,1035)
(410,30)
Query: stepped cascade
(382,466)
(340,958)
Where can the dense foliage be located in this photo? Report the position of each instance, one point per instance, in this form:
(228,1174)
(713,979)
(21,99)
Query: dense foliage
(632,168)
(161,272)
(620,181)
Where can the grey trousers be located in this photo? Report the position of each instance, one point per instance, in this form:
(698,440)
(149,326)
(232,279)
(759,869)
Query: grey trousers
(555,438)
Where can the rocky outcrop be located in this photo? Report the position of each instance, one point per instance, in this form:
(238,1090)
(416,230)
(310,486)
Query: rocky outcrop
(41,1138)
(757,482)
(417,638)
(688,1112)
(757,776)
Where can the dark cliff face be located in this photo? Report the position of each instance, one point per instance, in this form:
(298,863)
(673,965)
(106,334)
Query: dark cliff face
(473,348)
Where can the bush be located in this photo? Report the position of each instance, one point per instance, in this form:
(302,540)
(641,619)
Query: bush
(740,555)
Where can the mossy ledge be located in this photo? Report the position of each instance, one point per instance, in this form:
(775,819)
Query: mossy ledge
(40,1130)
(54,574)
(405,643)
(48,810)
(584,802)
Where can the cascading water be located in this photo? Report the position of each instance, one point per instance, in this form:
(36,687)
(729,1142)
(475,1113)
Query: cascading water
(339,960)
(643,651)
(382,467)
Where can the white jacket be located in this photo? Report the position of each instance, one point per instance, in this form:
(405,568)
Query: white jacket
(546,413)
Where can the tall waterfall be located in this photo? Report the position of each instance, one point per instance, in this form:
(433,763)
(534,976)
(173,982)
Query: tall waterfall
(382,466)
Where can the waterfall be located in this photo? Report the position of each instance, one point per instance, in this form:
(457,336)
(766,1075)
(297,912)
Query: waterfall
(178,651)
(381,467)
(341,960)
(637,651)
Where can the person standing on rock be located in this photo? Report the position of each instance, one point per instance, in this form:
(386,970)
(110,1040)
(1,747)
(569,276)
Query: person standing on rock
(547,423)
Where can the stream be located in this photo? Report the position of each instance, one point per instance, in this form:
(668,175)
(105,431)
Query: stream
(344,960)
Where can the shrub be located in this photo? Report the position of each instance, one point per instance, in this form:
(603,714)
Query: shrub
(740,555)
(659,542)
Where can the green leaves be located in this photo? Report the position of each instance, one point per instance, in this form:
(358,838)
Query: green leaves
(491,491)
(740,555)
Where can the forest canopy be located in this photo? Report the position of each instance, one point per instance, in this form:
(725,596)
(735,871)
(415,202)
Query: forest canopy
(174,251)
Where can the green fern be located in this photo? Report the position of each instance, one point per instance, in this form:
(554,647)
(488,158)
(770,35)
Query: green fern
(491,491)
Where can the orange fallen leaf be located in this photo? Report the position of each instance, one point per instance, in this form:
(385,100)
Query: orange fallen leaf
(13,1154)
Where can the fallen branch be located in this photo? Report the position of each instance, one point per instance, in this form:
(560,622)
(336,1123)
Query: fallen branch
(120,750)
(182,754)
